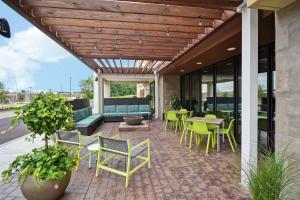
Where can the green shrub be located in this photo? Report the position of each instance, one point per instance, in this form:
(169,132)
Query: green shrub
(175,103)
(273,178)
(44,164)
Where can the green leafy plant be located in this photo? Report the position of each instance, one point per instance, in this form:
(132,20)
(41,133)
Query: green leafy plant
(44,164)
(46,114)
(273,178)
(175,103)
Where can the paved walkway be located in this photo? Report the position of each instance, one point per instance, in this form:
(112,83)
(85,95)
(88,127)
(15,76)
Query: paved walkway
(176,173)
(6,114)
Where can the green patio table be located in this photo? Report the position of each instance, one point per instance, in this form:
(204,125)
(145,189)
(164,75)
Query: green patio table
(217,121)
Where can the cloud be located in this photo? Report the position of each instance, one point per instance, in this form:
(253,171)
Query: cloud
(25,53)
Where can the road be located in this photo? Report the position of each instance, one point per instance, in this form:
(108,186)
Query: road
(16,132)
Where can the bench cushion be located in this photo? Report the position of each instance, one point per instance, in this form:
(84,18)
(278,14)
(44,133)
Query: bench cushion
(144,108)
(109,109)
(121,108)
(133,108)
(90,120)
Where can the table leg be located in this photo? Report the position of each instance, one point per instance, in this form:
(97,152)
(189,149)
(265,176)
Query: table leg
(218,138)
(90,159)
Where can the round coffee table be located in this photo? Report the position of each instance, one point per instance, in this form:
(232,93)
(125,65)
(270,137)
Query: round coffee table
(93,148)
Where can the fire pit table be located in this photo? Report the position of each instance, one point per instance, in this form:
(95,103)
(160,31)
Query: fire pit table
(134,123)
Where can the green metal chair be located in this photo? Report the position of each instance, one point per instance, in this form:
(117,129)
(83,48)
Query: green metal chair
(212,127)
(191,114)
(183,110)
(229,133)
(199,129)
(76,142)
(187,126)
(172,118)
(117,148)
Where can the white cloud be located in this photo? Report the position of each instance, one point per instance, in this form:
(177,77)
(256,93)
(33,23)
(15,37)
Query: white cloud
(24,53)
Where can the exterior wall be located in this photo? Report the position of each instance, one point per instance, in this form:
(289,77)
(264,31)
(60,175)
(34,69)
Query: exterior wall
(142,89)
(106,90)
(287,79)
(169,85)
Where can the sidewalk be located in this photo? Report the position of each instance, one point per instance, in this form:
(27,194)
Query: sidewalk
(10,150)
(6,114)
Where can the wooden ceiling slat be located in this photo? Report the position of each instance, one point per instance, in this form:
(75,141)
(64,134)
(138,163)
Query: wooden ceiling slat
(109,65)
(128,51)
(106,67)
(120,17)
(131,56)
(122,25)
(125,47)
(129,7)
(121,37)
(105,43)
(149,33)
(217,4)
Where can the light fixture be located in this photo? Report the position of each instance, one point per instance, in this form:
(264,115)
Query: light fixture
(168,34)
(199,63)
(231,49)
(182,70)
(4,28)
(140,41)
(200,22)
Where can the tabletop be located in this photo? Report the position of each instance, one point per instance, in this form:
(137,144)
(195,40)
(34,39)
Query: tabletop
(181,112)
(216,121)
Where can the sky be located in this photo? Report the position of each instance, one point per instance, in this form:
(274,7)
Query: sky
(31,60)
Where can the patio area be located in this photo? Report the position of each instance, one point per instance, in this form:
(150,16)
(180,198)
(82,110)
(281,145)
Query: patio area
(176,172)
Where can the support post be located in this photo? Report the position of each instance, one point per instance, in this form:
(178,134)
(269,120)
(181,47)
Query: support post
(249,91)
(96,102)
(98,93)
(156,79)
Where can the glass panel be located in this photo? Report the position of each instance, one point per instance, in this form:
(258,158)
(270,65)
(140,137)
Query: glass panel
(185,102)
(195,92)
(207,87)
(262,97)
(239,93)
(225,90)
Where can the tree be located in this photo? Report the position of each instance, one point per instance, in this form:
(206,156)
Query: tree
(87,87)
(122,89)
(3,93)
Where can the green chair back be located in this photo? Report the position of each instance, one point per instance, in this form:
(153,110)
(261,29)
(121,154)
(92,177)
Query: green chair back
(184,118)
(171,115)
(191,114)
(230,127)
(183,110)
(210,116)
(199,127)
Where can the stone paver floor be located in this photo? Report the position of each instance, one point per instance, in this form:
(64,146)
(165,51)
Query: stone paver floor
(176,173)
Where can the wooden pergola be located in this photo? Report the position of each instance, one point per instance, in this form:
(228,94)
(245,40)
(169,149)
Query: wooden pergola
(147,34)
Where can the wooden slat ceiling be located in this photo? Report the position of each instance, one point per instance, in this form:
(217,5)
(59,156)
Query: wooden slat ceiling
(147,33)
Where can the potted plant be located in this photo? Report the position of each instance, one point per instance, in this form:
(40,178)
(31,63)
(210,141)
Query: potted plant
(45,173)
(175,103)
(274,177)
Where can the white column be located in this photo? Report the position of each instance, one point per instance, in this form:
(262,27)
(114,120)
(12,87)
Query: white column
(106,89)
(156,79)
(101,93)
(249,91)
(96,102)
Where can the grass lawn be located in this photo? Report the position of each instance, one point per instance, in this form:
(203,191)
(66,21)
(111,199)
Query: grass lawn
(126,96)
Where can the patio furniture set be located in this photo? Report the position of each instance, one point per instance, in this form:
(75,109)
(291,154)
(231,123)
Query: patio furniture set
(198,128)
(107,149)
(87,123)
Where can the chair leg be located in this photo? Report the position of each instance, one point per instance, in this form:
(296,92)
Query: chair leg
(176,125)
(127,171)
(235,144)
(98,161)
(78,161)
(183,133)
(207,145)
(166,124)
(228,136)
(191,139)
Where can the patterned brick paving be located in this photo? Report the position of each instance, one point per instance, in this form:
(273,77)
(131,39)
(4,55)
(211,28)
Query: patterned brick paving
(176,173)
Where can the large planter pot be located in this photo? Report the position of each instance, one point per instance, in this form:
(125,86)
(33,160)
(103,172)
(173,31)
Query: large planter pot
(44,190)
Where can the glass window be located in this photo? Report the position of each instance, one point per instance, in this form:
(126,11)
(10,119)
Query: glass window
(185,98)
(225,90)
(207,90)
(195,106)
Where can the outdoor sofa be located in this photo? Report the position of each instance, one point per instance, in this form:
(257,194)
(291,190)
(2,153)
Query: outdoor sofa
(86,122)
(115,113)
